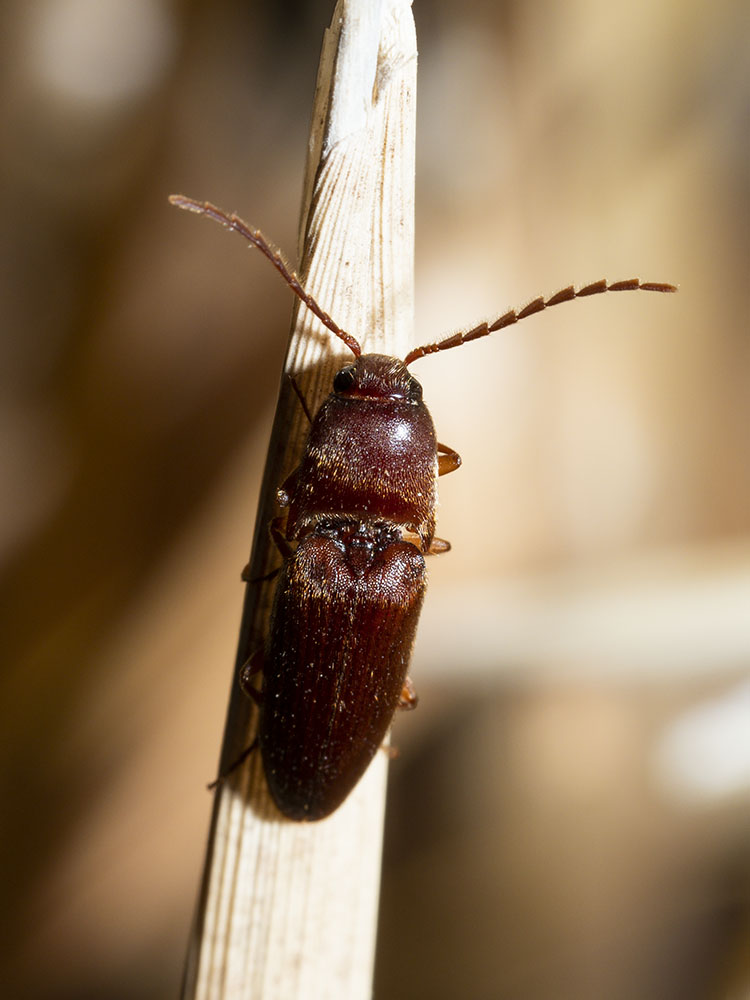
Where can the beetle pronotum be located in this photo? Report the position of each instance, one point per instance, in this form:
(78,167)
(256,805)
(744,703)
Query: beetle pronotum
(360,520)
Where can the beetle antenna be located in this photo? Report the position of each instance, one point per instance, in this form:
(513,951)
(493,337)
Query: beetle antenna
(535,306)
(256,238)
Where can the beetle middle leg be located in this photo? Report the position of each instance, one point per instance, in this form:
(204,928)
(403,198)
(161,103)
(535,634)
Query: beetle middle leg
(408,699)
(438,545)
(276,531)
(448,461)
(407,702)
(250,669)
(246,578)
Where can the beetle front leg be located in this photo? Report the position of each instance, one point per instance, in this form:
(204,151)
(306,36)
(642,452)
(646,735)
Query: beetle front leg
(301,398)
(448,459)
(285,491)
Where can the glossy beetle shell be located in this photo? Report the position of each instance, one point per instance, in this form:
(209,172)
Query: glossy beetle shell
(371,454)
(343,624)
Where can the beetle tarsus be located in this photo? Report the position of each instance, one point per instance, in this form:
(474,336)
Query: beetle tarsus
(233,766)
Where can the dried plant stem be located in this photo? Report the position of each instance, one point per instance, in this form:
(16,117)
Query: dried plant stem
(289,909)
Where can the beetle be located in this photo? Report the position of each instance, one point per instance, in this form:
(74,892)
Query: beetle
(360,519)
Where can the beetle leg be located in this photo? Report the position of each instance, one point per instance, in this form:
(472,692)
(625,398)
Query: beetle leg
(285,491)
(407,701)
(246,578)
(249,669)
(301,398)
(438,545)
(448,459)
(276,531)
(233,766)
(408,698)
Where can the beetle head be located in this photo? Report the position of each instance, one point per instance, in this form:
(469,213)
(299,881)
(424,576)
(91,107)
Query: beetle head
(376,376)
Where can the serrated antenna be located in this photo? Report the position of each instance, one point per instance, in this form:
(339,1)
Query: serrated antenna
(537,305)
(256,238)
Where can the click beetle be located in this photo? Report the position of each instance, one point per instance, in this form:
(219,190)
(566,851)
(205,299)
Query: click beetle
(360,519)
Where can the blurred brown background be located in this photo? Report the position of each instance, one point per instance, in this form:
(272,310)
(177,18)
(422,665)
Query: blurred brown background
(569,818)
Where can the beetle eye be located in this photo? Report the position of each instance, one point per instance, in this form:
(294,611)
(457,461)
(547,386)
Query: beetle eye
(415,391)
(345,379)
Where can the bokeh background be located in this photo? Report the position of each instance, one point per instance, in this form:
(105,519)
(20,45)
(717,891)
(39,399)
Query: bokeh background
(570,815)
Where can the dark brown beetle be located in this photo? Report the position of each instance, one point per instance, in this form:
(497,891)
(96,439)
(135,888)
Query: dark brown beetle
(360,520)
(349,597)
